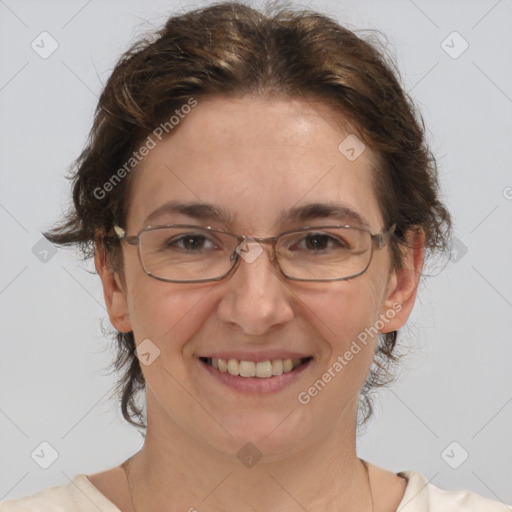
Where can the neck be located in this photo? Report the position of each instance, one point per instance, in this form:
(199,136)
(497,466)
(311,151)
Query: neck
(175,471)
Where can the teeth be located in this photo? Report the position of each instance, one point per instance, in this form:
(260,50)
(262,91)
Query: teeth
(247,369)
(277,367)
(260,369)
(223,365)
(264,369)
(233,367)
(287,365)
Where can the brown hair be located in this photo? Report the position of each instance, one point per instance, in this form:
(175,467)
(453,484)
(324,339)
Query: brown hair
(232,49)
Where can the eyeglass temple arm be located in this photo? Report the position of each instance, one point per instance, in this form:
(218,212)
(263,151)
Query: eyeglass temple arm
(381,238)
(121,234)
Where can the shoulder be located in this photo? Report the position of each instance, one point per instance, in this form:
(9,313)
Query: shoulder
(423,496)
(79,495)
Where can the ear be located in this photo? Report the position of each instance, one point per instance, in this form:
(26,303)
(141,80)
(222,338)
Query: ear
(113,291)
(403,283)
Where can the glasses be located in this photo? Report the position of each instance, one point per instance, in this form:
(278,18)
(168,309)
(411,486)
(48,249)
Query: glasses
(181,253)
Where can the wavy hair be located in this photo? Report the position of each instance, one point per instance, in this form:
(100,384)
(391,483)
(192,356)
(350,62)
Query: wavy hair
(231,49)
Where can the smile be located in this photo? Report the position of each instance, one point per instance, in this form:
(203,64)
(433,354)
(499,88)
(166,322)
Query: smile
(267,376)
(259,369)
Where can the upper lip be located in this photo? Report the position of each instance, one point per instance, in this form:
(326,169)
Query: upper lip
(268,355)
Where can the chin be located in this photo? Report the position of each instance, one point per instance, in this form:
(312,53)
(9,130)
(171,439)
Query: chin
(272,435)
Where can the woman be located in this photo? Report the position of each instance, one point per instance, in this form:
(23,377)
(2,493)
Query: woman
(259,200)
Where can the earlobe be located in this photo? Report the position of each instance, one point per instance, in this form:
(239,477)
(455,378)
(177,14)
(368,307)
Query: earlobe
(403,283)
(113,292)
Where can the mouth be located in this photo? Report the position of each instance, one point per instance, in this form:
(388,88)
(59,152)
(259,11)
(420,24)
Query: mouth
(267,369)
(265,376)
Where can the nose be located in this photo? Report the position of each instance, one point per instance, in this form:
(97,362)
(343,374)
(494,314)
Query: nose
(256,298)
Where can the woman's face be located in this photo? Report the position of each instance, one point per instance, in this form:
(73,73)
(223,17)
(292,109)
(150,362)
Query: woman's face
(255,160)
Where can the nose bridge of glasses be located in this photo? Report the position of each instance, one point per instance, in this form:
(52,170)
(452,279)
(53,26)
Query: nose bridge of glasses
(256,245)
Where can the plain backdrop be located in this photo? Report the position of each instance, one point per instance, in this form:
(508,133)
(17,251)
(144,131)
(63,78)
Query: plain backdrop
(449,416)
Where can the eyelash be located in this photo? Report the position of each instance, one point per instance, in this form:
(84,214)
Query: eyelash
(175,241)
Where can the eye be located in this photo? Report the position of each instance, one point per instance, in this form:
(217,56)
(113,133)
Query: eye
(318,242)
(191,242)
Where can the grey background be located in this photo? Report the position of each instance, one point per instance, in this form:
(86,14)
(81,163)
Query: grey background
(455,385)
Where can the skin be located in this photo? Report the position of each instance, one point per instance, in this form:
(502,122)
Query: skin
(254,157)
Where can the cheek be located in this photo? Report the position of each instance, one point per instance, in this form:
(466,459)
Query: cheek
(169,317)
(344,316)
(165,313)
(345,308)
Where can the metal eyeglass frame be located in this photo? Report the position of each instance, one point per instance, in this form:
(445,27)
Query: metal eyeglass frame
(378,241)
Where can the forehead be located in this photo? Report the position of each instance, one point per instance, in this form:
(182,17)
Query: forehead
(255,158)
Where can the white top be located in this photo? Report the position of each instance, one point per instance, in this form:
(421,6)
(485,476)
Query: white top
(80,495)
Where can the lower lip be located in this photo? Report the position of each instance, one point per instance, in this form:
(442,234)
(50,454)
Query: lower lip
(256,385)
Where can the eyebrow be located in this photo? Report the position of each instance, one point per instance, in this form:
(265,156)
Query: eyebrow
(204,212)
(201,211)
(316,210)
